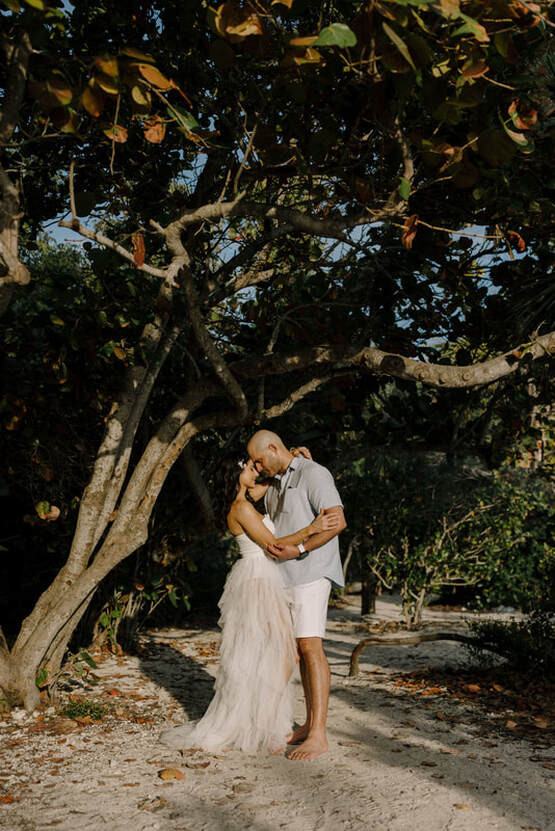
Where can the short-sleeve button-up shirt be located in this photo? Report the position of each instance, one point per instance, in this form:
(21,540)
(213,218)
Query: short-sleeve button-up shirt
(292,501)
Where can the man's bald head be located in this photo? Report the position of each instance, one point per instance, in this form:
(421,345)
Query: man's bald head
(268,452)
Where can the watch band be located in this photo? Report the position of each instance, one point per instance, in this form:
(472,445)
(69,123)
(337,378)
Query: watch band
(302,552)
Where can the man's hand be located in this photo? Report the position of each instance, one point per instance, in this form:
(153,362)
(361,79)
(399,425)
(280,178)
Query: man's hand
(282,552)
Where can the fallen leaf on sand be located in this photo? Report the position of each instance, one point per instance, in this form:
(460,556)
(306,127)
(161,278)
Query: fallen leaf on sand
(171,773)
(195,764)
(462,807)
(428,764)
(348,743)
(152,804)
(242,787)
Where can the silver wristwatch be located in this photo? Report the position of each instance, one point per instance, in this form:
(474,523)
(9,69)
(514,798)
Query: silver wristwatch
(302,552)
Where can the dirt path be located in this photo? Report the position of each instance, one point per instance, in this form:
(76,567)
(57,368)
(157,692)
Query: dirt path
(404,754)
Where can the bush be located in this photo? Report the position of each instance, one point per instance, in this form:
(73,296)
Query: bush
(427,527)
(528,644)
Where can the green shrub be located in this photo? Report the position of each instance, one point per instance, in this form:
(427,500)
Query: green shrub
(83,708)
(528,644)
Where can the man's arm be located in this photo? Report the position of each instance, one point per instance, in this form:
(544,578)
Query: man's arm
(291,552)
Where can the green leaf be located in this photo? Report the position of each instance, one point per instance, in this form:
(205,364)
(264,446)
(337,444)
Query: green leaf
(36,4)
(338,34)
(183,117)
(87,658)
(404,188)
(57,321)
(399,43)
(41,678)
(471,27)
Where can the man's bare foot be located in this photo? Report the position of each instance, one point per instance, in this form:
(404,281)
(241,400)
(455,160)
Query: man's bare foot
(298,735)
(309,749)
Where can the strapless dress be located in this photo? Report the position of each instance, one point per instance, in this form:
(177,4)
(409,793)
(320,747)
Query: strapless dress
(252,706)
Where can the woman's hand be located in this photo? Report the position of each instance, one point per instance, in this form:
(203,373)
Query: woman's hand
(324,522)
(301,451)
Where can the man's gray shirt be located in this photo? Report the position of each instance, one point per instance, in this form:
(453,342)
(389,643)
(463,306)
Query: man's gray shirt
(292,501)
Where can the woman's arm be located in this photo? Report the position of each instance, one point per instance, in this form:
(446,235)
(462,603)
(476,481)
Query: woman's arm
(248,518)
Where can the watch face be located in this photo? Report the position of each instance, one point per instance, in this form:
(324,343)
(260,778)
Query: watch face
(303,555)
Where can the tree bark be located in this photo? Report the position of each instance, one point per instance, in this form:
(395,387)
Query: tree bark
(415,638)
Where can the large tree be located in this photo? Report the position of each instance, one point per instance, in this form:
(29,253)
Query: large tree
(301,186)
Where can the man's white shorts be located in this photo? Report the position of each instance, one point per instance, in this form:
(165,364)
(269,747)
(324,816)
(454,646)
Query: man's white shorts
(308,604)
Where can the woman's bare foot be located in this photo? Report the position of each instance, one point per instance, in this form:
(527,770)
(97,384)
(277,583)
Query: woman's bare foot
(309,749)
(298,735)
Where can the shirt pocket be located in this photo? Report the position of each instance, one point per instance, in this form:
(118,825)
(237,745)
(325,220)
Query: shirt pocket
(293,500)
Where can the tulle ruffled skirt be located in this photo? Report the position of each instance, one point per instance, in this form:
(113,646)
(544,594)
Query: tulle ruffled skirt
(252,708)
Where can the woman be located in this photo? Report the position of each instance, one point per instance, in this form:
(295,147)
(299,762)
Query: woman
(251,709)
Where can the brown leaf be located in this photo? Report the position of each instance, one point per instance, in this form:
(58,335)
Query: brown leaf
(511,724)
(472,687)
(197,764)
(154,130)
(515,239)
(155,77)
(242,787)
(441,716)
(138,249)
(171,773)
(474,68)
(364,190)
(523,115)
(462,807)
(304,41)
(427,764)
(409,231)
(287,3)
(235,23)
(93,100)
(107,64)
(116,133)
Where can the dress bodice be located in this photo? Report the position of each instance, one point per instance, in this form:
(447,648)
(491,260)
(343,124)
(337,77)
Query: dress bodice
(250,548)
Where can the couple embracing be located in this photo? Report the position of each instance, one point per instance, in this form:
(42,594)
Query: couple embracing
(274,606)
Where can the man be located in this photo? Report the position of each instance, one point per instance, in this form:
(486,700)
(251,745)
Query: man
(299,490)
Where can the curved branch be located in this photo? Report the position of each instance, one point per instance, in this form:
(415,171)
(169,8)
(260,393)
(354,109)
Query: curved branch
(411,638)
(300,221)
(79,228)
(375,360)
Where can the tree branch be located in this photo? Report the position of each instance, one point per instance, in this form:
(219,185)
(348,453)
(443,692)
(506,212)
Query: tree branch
(79,228)
(375,360)
(18,64)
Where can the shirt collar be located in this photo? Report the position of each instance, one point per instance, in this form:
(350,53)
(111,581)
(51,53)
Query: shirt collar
(282,477)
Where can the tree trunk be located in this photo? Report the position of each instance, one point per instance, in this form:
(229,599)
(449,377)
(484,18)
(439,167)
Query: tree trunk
(369,592)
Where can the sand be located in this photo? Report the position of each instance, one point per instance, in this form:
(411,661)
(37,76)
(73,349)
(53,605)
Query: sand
(401,758)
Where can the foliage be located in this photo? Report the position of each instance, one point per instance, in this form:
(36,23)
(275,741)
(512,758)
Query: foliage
(426,527)
(77,665)
(82,708)
(288,188)
(528,644)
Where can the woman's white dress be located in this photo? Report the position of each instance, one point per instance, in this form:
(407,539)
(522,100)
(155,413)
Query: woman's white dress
(252,708)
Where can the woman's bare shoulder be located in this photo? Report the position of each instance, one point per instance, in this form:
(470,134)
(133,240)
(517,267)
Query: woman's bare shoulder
(242,508)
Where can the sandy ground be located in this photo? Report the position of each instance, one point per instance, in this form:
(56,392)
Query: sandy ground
(404,754)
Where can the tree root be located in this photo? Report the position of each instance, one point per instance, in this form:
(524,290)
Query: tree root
(414,638)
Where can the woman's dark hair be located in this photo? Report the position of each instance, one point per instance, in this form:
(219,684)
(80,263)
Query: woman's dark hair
(226,483)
